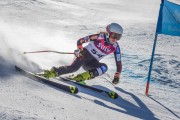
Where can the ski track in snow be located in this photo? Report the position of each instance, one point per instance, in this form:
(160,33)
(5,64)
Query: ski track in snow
(28,25)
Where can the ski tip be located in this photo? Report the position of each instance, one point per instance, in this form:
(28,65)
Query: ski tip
(113,95)
(74,90)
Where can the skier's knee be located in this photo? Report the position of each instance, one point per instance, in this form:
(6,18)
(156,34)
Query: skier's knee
(102,69)
(99,71)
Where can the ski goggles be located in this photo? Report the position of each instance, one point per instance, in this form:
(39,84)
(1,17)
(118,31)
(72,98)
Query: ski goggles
(115,36)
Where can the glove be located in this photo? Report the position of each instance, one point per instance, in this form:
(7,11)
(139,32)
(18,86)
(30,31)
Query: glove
(116,78)
(50,73)
(79,51)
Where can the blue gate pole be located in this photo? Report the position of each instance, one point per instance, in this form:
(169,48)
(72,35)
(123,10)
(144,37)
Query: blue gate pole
(151,63)
(158,30)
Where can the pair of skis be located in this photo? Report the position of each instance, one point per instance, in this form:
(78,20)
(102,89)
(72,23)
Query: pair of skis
(110,94)
(69,89)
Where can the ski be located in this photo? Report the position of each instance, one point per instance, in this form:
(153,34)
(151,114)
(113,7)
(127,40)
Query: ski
(70,89)
(110,94)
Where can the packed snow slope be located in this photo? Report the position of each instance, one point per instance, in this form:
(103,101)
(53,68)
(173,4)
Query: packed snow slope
(30,25)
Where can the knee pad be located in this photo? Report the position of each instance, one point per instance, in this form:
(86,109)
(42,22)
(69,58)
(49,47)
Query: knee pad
(102,69)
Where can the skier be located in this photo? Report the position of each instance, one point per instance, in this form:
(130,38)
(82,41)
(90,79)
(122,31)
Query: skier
(88,57)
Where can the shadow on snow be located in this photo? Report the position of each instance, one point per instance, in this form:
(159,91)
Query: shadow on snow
(140,111)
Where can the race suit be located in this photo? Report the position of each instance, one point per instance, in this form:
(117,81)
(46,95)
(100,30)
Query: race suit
(98,47)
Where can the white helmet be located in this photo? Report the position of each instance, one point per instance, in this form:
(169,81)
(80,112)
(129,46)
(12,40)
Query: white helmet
(114,28)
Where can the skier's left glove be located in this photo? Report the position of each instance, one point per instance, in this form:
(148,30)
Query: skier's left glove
(116,78)
(50,73)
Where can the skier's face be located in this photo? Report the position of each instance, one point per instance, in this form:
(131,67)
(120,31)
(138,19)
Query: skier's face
(114,37)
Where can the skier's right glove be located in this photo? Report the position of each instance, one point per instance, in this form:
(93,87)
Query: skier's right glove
(79,52)
(50,73)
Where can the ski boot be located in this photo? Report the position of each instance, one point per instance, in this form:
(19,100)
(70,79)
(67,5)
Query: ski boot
(49,73)
(83,76)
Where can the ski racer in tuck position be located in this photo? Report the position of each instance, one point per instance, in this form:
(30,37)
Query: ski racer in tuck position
(88,57)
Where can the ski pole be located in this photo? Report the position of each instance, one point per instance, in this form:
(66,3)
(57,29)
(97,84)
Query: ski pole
(48,51)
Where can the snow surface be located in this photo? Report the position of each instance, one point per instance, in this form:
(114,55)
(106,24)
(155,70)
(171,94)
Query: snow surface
(30,25)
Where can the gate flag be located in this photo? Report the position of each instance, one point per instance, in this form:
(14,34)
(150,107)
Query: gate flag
(168,24)
(169,19)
